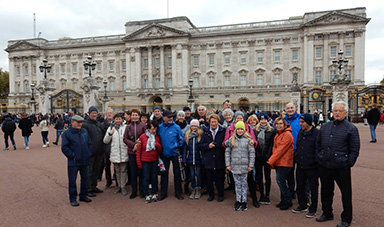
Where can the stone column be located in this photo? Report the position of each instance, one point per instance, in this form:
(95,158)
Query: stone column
(162,70)
(185,60)
(137,70)
(359,57)
(325,110)
(174,66)
(305,104)
(150,76)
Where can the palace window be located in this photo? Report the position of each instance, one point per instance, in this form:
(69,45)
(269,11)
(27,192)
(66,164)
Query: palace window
(111,66)
(98,66)
(318,53)
(169,61)
(260,57)
(74,67)
(26,69)
(227,81)
(333,52)
(145,83)
(74,85)
(227,59)
(348,51)
(211,81)
(196,60)
(157,63)
(123,65)
(157,83)
(277,56)
(169,82)
(124,86)
(295,55)
(243,80)
(196,82)
(277,79)
(145,61)
(332,75)
(318,77)
(62,66)
(260,79)
(211,59)
(243,58)
(111,85)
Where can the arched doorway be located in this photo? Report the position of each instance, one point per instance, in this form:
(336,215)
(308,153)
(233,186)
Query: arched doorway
(154,101)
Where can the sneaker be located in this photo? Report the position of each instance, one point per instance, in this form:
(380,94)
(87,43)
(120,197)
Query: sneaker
(298,210)
(148,199)
(27,148)
(124,192)
(310,214)
(14,147)
(47,144)
(244,206)
(155,198)
(6,148)
(44,145)
(265,201)
(118,190)
(54,143)
(237,206)
(198,193)
(285,206)
(192,196)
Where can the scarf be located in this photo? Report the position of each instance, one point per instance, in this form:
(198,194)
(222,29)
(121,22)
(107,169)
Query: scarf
(193,134)
(181,124)
(261,136)
(150,141)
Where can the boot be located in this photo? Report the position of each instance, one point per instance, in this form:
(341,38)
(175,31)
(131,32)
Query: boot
(254,199)
(198,193)
(186,189)
(192,196)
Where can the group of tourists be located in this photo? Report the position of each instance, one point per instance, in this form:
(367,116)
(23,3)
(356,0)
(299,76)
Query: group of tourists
(208,149)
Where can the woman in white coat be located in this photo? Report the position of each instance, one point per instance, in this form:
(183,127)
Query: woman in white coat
(119,151)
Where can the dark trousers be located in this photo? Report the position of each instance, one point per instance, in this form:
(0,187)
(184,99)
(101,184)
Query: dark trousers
(312,176)
(342,176)
(108,174)
(135,173)
(44,134)
(176,174)
(217,176)
(84,180)
(260,166)
(94,167)
(150,175)
(10,135)
(281,180)
(291,179)
(252,186)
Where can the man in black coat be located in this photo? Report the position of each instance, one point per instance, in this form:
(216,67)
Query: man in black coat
(306,171)
(337,149)
(96,133)
(9,126)
(373,118)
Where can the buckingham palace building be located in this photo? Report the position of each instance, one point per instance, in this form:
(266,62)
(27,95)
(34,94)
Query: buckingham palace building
(155,62)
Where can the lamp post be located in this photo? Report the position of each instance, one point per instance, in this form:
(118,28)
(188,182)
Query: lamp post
(44,67)
(105,98)
(340,83)
(33,101)
(89,65)
(190,99)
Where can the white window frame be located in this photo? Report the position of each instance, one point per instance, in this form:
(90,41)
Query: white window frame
(277,56)
(260,79)
(277,78)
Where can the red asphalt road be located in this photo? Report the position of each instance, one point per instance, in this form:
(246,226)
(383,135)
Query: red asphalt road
(34,192)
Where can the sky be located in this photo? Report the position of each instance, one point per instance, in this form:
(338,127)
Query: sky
(85,18)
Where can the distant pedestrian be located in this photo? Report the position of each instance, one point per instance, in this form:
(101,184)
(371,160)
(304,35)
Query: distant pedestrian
(9,126)
(26,129)
(373,117)
(77,147)
(44,125)
(59,126)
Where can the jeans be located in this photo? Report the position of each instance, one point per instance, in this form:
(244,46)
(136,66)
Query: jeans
(58,134)
(150,175)
(72,175)
(44,134)
(176,174)
(195,173)
(281,177)
(26,140)
(372,128)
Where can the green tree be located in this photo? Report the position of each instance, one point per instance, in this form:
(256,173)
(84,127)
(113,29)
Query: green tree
(382,82)
(4,84)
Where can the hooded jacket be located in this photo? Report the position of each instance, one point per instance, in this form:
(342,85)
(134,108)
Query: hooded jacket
(305,154)
(192,155)
(241,157)
(172,139)
(119,152)
(26,126)
(143,155)
(282,151)
(76,146)
(8,125)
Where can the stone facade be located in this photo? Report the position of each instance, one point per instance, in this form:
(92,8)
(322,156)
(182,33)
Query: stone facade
(254,65)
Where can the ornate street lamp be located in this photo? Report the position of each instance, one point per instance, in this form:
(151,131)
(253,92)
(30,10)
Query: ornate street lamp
(44,67)
(190,99)
(33,101)
(105,83)
(89,65)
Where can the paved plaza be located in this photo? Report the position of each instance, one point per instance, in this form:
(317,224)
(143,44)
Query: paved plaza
(34,192)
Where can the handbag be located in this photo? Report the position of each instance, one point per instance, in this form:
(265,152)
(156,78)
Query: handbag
(161,166)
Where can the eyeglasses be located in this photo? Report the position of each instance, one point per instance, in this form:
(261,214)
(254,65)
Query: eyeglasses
(279,123)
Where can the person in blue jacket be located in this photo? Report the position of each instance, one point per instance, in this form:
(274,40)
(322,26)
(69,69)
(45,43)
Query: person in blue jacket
(172,139)
(77,147)
(292,118)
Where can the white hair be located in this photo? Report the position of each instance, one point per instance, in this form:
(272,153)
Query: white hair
(227,111)
(205,108)
(340,103)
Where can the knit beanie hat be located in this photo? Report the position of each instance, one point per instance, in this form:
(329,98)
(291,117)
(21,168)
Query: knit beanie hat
(186,108)
(195,122)
(239,113)
(238,125)
(92,108)
(180,113)
(263,115)
(156,108)
(307,118)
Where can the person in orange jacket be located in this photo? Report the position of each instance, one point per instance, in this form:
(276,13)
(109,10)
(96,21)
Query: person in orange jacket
(282,160)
